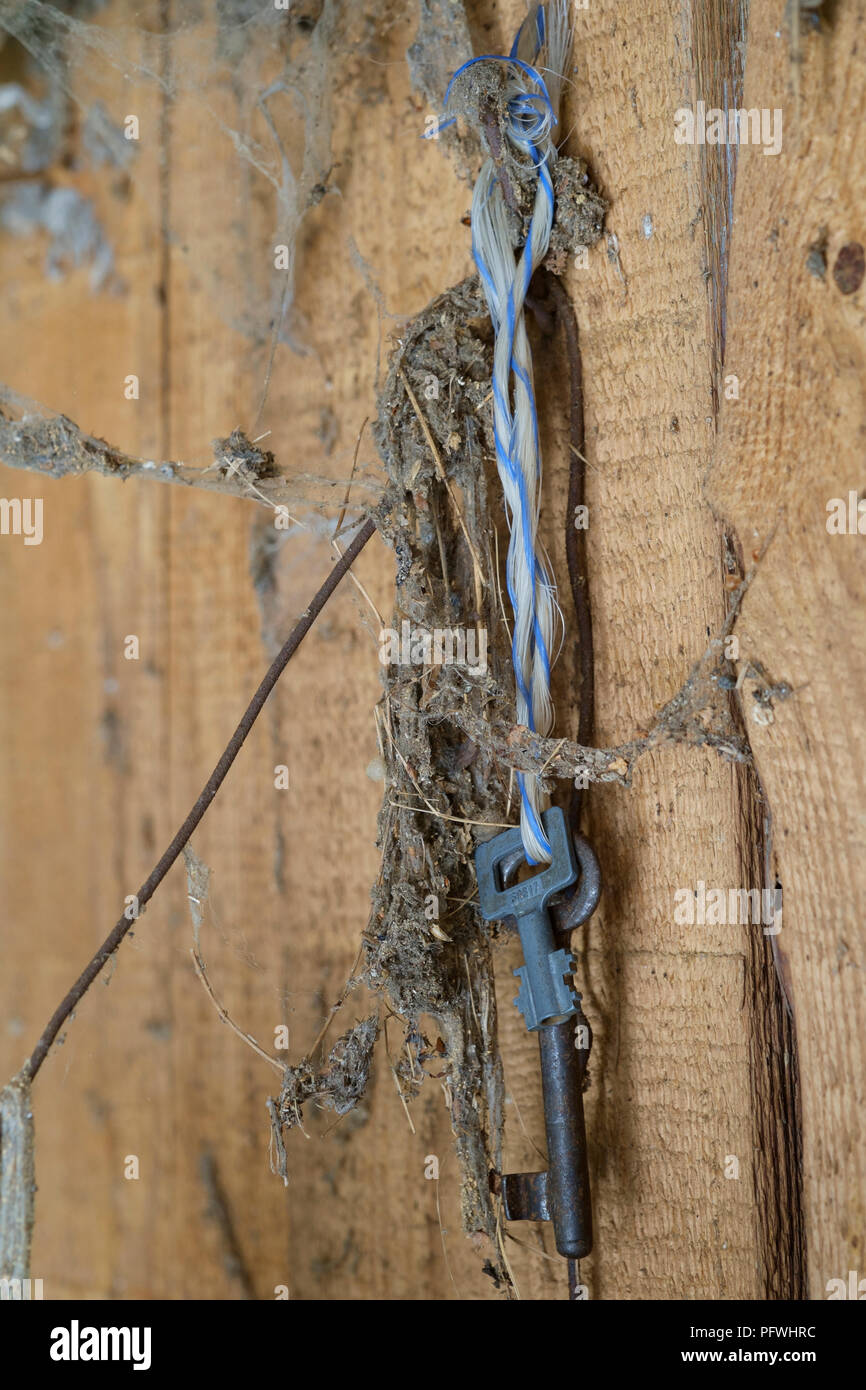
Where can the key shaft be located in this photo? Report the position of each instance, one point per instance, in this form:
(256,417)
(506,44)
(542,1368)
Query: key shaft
(568,1191)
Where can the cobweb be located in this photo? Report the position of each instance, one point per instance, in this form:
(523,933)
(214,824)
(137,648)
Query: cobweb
(260,75)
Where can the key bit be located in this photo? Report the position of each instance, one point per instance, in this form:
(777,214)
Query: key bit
(562,1194)
(544,997)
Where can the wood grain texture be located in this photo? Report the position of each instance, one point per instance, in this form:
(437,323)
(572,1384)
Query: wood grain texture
(790,443)
(670,1095)
(100,757)
(97,776)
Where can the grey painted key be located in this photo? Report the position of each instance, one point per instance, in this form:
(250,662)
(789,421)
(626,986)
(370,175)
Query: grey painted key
(544,996)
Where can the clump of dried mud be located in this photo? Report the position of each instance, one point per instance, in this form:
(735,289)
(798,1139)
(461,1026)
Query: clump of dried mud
(580,211)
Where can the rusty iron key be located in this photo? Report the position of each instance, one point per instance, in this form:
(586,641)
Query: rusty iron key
(550,1007)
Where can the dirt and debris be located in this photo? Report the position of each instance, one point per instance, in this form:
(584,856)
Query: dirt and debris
(479,97)
(237,456)
(441,46)
(580,212)
(700,713)
(34,439)
(340,1084)
(764,691)
(429,956)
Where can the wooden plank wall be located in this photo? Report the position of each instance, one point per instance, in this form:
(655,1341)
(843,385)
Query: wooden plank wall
(788,446)
(694,1062)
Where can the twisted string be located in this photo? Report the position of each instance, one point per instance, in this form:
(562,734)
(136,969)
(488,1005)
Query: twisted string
(531,105)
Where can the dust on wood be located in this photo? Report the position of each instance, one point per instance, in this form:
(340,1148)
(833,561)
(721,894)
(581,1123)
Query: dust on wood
(17,1180)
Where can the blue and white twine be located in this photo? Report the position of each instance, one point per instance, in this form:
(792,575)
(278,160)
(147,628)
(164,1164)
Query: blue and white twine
(542,45)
